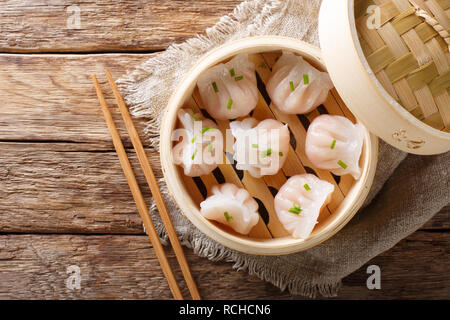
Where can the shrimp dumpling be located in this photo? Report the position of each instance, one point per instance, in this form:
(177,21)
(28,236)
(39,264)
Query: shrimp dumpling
(296,87)
(299,201)
(201,149)
(334,143)
(231,206)
(261,148)
(229,90)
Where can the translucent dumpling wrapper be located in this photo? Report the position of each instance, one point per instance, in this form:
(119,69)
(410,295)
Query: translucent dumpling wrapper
(299,201)
(201,148)
(229,90)
(334,143)
(261,148)
(231,206)
(296,87)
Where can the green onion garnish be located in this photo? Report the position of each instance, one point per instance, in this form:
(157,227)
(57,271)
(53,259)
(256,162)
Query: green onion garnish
(333,144)
(232,73)
(309,113)
(254,145)
(276,59)
(267,153)
(306,78)
(210,147)
(193,139)
(280,154)
(206,129)
(307,188)
(214,84)
(230,103)
(295,209)
(193,155)
(291,84)
(262,65)
(342,164)
(227,216)
(239,78)
(195,117)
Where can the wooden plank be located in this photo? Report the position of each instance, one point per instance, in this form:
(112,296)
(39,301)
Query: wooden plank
(51,97)
(439,221)
(104,25)
(68,188)
(112,267)
(299,131)
(402,279)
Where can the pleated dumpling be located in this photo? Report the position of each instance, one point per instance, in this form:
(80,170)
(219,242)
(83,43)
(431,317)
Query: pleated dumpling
(334,143)
(202,146)
(299,201)
(231,206)
(261,148)
(229,90)
(296,87)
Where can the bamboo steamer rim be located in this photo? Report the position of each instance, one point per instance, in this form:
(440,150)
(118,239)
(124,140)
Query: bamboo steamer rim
(440,139)
(276,246)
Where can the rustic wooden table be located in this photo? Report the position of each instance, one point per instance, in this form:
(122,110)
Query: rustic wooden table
(63,198)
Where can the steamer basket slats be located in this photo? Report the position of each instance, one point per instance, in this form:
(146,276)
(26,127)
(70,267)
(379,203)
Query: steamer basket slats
(265,189)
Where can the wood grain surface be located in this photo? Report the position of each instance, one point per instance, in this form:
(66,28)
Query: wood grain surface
(126,267)
(51,97)
(104,25)
(63,197)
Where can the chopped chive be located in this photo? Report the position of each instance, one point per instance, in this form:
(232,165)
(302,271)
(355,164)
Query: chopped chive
(193,155)
(276,59)
(214,84)
(291,84)
(227,216)
(262,65)
(210,147)
(309,113)
(195,117)
(306,78)
(239,78)
(193,139)
(280,154)
(255,145)
(267,153)
(295,209)
(342,164)
(230,103)
(307,188)
(206,129)
(232,73)
(333,144)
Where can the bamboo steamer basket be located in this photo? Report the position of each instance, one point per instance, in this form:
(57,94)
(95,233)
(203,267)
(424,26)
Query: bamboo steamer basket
(394,74)
(268,237)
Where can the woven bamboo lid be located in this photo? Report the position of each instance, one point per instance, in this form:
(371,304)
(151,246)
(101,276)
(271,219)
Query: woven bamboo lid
(402,47)
(408,50)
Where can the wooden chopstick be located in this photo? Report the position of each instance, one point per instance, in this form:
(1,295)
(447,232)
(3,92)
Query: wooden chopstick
(137,195)
(154,188)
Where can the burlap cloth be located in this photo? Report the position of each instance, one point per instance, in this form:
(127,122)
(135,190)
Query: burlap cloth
(407,191)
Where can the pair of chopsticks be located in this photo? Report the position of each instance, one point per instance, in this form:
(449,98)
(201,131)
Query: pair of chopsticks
(137,194)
